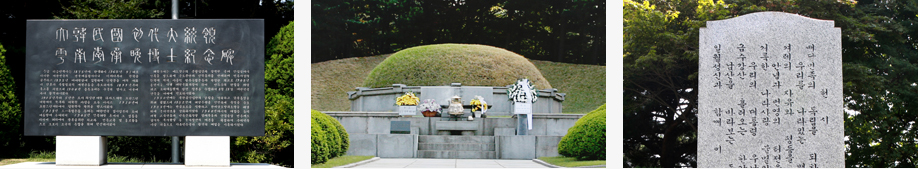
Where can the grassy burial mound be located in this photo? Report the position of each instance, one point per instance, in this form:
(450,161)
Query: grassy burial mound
(585,85)
(471,65)
(331,80)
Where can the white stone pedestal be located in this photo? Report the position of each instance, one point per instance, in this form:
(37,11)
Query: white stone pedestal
(211,151)
(81,150)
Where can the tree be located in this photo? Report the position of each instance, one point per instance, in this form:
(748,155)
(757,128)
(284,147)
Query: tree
(276,146)
(661,64)
(108,9)
(10,111)
(570,31)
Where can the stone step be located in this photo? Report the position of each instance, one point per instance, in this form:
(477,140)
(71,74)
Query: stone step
(456,146)
(457,154)
(455,139)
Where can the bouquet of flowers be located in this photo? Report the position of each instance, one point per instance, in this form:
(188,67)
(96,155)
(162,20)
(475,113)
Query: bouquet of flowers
(430,108)
(407,100)
(518,92)
(479,104)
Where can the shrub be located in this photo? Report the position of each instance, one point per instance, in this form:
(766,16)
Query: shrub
(279,65)
(10,111)
(342,134)
(320,149)
(586,140)
(276,146)
(333,137)
(144,148)
(471,65)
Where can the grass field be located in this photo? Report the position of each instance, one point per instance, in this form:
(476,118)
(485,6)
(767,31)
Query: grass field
(571,161)
(331,80)
(341,160)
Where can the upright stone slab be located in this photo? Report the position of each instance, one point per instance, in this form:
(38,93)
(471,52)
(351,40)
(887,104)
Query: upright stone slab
(770,92)
(144,77)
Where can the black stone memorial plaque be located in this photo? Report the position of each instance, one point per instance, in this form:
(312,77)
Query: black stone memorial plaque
(150,77)
(400,127)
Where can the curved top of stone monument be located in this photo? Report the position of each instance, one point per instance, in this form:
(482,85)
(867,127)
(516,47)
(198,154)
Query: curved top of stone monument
(771,19)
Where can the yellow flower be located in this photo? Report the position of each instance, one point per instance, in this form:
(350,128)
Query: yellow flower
(478,105)
(408,99)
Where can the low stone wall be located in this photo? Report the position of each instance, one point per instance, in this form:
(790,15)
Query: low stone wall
(383,145)
(383,99)
(369,134)
(527,147)
(379,123)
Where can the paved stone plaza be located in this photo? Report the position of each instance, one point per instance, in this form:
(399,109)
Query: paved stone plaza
(449,163)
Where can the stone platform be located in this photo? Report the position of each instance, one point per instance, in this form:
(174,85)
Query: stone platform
(382,99)
(433,137)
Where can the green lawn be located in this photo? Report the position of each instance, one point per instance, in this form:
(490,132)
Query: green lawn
(341,160)
(571,161)
(50,156)
(331,80)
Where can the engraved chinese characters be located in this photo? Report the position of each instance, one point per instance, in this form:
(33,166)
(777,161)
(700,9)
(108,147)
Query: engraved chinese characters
(206,77)
(770,92)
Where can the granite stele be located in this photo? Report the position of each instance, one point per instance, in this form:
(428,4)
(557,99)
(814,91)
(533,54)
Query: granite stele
(202,79)
(770,92)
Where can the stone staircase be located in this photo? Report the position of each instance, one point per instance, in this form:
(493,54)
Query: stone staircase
(456,147)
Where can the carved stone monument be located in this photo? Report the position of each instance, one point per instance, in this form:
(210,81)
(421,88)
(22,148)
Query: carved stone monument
(86,79)
(770,92)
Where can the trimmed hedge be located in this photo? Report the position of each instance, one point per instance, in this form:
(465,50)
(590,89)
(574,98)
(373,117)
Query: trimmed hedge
(442,64)
(320,150)
(329,138)
(586,140)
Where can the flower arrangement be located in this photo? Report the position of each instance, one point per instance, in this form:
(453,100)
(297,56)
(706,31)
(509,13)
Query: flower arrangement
(517,94)
(430,108)
(478,103)
(407,100)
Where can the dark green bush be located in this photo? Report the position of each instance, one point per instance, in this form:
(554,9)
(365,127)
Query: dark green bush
(586,140)
(152,149)
(335,133)
(279,65)
(10,111)
(345,141)
(276,146)
(332,137)
(320,150)
(320,144)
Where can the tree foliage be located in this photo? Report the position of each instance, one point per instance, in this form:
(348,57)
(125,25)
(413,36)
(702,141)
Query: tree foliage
(879,54)
(277,145)
(108,9)
(570,31)
(10,111)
